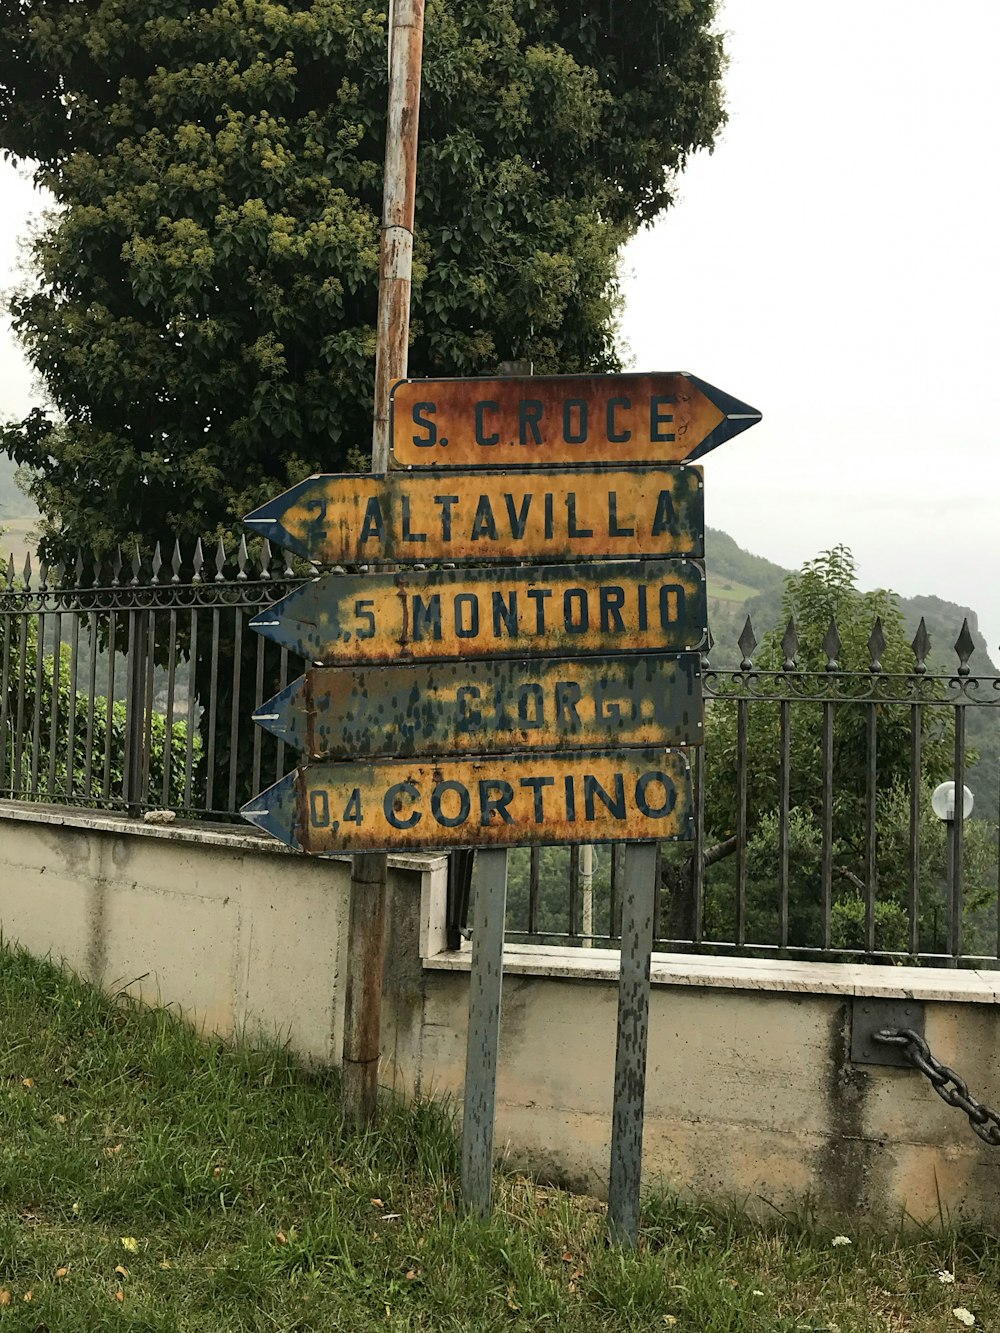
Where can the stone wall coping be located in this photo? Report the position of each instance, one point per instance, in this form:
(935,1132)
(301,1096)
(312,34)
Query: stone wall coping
(231,837)
(758,974)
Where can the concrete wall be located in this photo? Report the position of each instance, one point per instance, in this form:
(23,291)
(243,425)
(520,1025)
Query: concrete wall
(751,1090)
(240,934)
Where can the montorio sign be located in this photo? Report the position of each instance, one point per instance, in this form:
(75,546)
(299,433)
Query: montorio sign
(428,615)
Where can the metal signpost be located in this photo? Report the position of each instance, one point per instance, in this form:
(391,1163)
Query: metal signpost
(562,420)
(472,516)
(534,701)
(534,611)
(494,706)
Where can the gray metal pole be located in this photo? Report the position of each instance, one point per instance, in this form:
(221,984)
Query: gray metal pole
(366,924)
(485,984)
(952,885)
(632,1040)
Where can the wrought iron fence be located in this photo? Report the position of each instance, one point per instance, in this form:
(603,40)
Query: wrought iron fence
(814,834)
(131,685)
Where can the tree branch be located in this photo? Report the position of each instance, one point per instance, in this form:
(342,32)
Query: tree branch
(720,851)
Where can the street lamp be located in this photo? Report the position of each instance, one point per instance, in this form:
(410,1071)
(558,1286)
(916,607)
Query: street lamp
(943,804)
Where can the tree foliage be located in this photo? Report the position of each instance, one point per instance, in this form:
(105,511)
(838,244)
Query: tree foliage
(824,593)
(203,302)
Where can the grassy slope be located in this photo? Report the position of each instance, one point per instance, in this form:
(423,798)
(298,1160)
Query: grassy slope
(149,1181)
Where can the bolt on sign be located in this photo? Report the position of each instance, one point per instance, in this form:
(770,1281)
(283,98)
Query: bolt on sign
(670,417)
(331,809)
(614,607)
(491,707)
(473,516)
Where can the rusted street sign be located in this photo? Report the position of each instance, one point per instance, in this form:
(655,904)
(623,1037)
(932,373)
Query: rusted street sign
(620,606)
(332,809)
(475,517)
(669,417)
(491,707)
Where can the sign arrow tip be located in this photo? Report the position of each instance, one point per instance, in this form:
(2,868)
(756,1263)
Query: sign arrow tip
(738,416)
(274,811)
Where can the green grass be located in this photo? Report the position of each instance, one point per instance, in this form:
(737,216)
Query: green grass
(727,590)
(152,1181)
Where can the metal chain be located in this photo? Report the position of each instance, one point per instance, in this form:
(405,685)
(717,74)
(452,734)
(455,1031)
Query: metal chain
(948,1085)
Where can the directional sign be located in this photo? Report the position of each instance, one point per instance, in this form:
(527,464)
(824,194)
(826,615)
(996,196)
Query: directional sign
(471,517)
(661,418)
(492,707)
(621,606)
(332,809)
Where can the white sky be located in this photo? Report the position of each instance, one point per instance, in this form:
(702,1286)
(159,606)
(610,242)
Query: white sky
(834,264)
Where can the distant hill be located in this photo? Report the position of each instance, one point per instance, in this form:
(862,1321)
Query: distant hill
(17,516)
(742,584)
(13,502)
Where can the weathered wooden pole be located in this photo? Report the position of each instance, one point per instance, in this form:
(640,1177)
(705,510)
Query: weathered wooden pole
(406,38)
(366,926)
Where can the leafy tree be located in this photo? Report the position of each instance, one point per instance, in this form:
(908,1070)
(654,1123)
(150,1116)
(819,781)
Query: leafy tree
(203,302)
(824,593)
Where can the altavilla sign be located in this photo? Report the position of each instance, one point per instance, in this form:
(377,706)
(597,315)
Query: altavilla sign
(472,516)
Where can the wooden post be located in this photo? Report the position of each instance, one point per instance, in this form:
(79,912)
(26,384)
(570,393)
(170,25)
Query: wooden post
(366,928)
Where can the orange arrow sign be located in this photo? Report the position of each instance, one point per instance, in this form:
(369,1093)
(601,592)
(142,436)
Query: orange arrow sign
(554,420)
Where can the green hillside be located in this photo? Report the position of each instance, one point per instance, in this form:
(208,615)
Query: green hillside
(742,584)
(17,517)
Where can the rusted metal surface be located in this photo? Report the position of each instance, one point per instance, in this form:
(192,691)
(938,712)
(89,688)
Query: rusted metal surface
(394,805)
(490,707)
(365,963)
(668,417)
(546,611)
(473,517)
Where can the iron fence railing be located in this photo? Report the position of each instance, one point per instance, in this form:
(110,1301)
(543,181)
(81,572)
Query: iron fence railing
(131,685)
(814,833)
